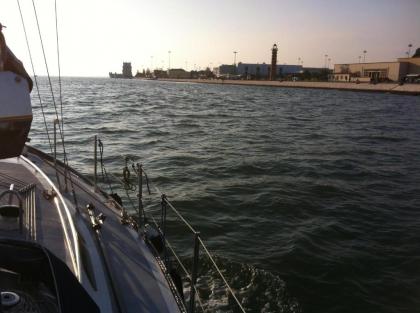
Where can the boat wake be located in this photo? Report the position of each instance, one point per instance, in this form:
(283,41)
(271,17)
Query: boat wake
(258,290)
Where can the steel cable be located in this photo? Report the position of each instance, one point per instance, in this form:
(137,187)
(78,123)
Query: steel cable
(35,77)
(55,105)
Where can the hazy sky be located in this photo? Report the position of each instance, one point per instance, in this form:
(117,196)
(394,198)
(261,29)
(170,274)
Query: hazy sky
(96,36)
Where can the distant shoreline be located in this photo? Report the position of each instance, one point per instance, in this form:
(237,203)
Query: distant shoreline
(406,89)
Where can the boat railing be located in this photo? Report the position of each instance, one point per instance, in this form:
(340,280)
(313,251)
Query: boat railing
(169,254)
(199,248)
(28,193)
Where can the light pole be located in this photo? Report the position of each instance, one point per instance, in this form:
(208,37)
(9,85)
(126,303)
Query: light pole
(298,60)
(409,49)
(329,60)
(169,59)
(234,57)
(325,61)
(364,56)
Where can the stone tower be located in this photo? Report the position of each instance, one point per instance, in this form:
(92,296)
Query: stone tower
(273,69)
(126,70)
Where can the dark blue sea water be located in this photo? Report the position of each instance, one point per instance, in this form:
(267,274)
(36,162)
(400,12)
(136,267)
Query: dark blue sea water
(309,198)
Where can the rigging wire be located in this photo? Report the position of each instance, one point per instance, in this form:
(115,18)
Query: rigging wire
(45,61)
(59,80)
(59,67)
(49,78)
(35,77)
(54,102)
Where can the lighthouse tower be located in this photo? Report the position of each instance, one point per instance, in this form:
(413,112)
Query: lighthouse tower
(273,69)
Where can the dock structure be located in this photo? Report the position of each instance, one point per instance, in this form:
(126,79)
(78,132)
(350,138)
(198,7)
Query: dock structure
(395,88)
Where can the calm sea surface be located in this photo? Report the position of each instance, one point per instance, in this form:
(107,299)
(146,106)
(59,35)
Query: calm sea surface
(309,198)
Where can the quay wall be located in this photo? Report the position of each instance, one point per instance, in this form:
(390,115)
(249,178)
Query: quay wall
(410,89)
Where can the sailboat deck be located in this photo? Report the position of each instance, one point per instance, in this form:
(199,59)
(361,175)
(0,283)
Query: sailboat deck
(116,266)
(41,222)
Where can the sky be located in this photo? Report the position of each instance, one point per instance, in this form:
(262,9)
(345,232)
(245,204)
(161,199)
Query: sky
(96,36)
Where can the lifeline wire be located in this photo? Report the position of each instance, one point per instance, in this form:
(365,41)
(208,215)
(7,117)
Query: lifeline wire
(205,249)
(221,275)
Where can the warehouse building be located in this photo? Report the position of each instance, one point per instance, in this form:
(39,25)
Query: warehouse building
(250,70)
(398,70)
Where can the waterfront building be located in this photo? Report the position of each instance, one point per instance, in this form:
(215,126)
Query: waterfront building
(140,74)
(216,71)
(258,71)
(378,71)
(160,73)
(315,70)
(412,66)
(178,73)
(226,69)
(262,71)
